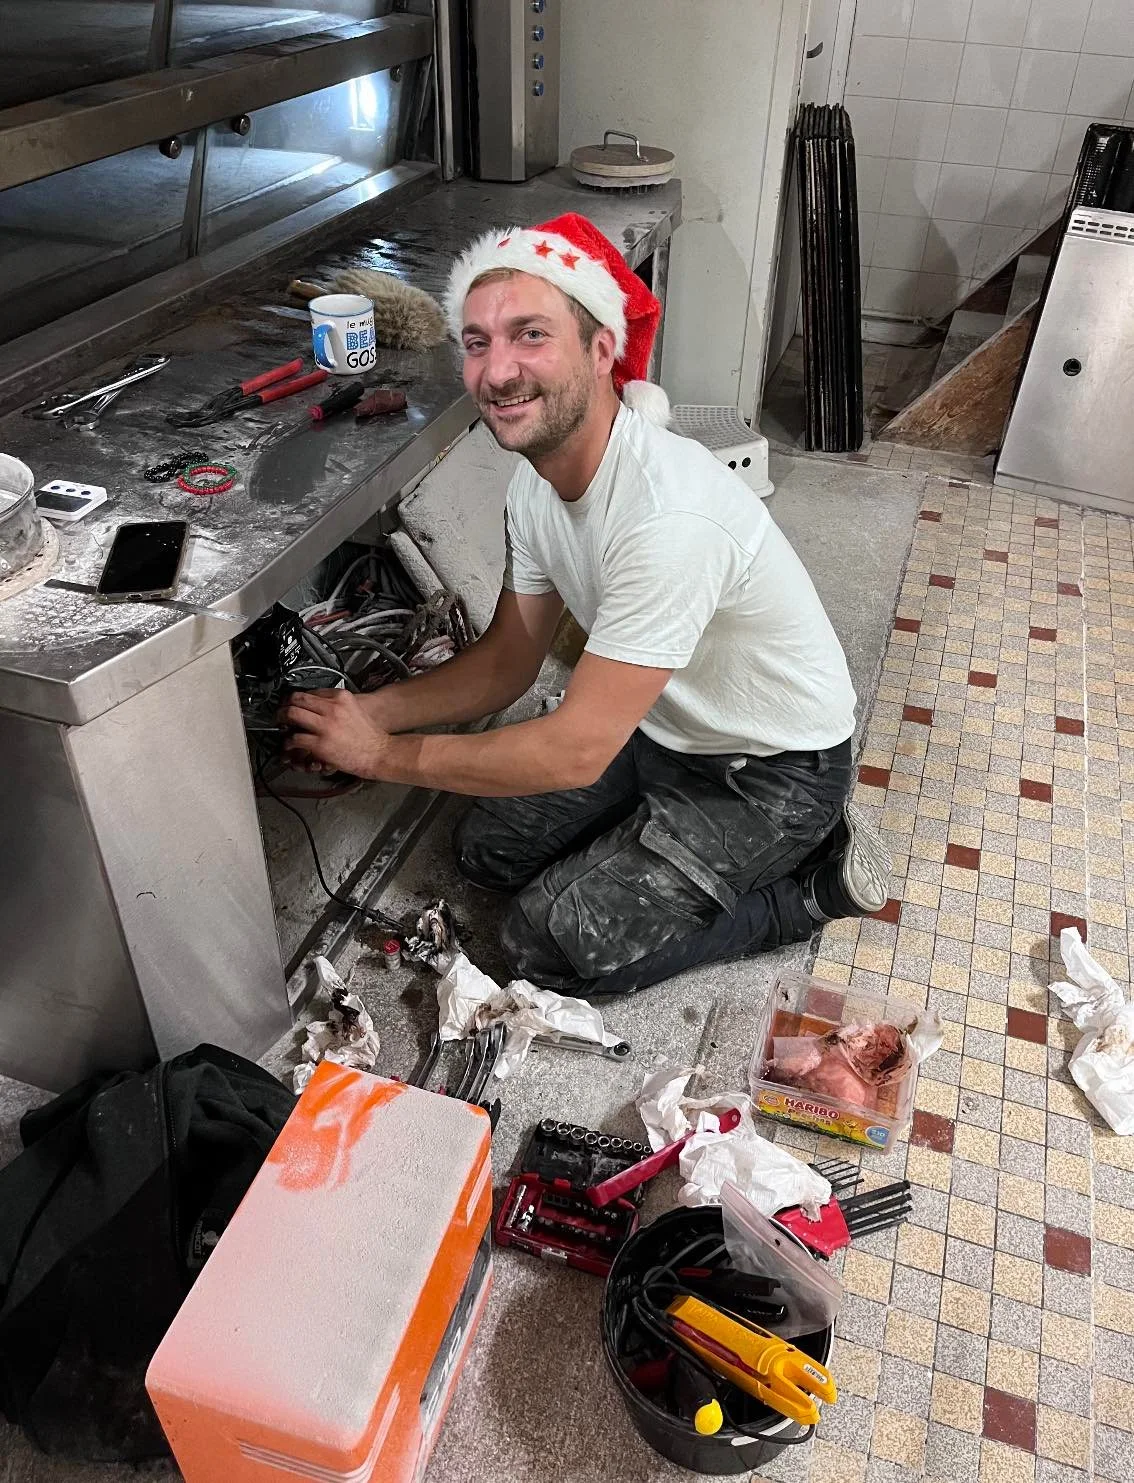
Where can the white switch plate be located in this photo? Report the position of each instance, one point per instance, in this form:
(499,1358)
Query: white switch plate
(68,499)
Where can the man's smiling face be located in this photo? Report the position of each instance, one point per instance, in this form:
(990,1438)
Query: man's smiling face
(526,364)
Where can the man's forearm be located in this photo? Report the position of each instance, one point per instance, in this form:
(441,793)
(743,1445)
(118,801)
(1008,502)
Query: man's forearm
(529,757)
(475,684)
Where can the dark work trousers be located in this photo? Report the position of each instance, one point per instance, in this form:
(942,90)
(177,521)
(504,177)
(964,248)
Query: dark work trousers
(669,860)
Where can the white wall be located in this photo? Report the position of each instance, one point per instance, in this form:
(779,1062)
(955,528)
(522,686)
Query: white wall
(968,116)
(697,77)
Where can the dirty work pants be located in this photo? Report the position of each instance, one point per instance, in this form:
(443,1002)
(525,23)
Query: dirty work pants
(669,860)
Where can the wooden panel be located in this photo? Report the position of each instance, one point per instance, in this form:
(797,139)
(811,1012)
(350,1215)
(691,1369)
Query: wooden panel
(966,410)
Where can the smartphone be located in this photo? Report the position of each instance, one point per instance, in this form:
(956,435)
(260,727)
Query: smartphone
(144,562)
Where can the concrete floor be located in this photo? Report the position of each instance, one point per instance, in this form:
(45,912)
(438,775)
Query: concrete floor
(535,1400)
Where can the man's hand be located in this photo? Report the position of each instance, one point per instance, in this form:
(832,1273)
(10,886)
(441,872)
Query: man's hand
(336,730)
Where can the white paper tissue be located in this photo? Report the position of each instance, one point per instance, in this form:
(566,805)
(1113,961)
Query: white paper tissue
(769,1176)
(347,1036)
(468,1000)
(1102,1064)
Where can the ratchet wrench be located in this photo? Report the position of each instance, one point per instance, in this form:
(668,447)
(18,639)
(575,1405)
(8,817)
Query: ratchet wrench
(619,1051)
(63,404)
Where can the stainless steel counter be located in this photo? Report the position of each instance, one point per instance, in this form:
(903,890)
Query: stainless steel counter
(65,658)
(137,918)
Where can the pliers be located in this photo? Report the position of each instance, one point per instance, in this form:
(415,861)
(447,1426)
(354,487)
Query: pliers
(261,390)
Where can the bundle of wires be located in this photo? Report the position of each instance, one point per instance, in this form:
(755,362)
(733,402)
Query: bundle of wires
(373,628)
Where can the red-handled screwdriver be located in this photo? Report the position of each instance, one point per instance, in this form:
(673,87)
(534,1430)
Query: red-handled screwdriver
(339,401)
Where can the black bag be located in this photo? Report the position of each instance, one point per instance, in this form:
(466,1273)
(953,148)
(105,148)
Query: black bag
(124,1186)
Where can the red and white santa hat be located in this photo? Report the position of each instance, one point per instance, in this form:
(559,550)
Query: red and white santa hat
(572,253)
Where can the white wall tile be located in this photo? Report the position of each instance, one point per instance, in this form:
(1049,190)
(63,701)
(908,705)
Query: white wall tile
(1070,142)
(951,247)
(883,17)
(1016,198)
(998,22)
(975,134)
(1102,85)
(930,74)
(962,192)
(940,20)
(937,294)
(1110,30)
(1043,82)
(867,226)
(910,188)
(872,120)
(988,74)
(997,244)
(1031,140)
(1057,25)
(870,171)
(1058,187)
(876,66)
(899,242)
(890,291)
(920,130)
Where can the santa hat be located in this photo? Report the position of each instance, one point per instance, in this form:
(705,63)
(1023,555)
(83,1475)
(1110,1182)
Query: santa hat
(572,253)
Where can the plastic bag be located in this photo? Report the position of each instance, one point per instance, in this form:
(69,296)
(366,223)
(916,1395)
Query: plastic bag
(809,1290)
(1102,1064)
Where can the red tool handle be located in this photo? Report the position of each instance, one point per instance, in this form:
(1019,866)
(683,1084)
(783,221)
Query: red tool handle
(269,378)
(289,388)
(654,1163)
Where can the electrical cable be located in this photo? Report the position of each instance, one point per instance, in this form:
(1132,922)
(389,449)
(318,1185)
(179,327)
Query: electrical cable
(394,928)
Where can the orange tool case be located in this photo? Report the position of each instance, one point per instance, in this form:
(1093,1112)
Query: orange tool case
(325,1333)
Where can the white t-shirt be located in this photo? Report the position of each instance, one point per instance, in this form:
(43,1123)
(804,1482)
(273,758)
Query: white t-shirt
(670,561)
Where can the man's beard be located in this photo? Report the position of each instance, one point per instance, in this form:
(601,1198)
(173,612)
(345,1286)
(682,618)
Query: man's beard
(562,411)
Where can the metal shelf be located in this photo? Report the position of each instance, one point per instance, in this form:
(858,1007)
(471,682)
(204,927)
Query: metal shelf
(92,123)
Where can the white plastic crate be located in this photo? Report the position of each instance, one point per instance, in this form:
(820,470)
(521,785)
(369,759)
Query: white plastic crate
(726,434)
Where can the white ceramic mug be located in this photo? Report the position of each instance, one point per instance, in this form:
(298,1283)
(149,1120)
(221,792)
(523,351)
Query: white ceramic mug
(342,331)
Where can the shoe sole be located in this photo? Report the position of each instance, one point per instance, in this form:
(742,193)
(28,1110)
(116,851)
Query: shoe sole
(867,865)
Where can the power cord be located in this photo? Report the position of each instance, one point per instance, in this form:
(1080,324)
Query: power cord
(388,923)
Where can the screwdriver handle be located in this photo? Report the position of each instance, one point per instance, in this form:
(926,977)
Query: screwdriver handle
(269,378)
(289,388)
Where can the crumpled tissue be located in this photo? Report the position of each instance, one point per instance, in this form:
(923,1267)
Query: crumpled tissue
(468,1000)
(347,1036)
(768,1175)
(1102,1064)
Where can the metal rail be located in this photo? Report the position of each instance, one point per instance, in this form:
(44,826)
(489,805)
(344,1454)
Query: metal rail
(92,123)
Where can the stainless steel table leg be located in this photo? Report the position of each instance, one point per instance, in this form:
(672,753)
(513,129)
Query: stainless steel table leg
(136,918)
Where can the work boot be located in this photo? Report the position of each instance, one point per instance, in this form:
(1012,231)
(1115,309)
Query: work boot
(854,878)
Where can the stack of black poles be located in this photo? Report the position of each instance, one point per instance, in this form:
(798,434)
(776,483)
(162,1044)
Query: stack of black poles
(828,239)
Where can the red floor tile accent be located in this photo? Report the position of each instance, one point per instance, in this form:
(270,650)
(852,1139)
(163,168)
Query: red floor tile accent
(1068,726)
(1047,635)
(908,625)
(1067,1250)
(982,679)
(874,777)
(1069,589)
(1009,1418)
(1047,522)
(930,515)
(963,856)
(891,912)
(1060,919)
(937,580)
(931,1131)
(1026,1024)
(996,556)
(1038,792)
(919,713)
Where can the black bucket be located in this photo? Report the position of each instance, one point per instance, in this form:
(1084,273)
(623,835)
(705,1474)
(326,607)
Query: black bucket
(728,1451)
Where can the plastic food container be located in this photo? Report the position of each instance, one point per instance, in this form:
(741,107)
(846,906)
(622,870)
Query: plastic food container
(799,1005)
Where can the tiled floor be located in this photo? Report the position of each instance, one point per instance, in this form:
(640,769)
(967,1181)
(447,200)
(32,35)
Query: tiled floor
(991,1339)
